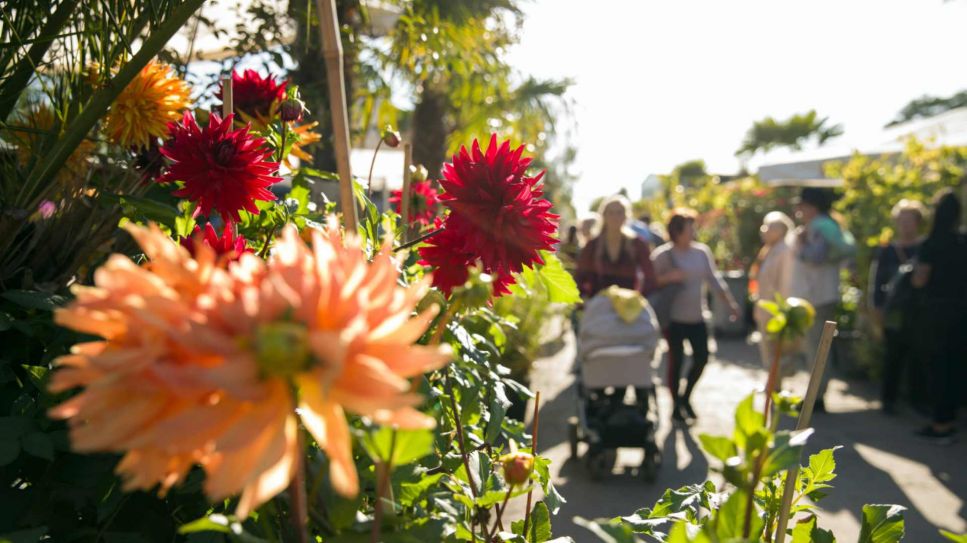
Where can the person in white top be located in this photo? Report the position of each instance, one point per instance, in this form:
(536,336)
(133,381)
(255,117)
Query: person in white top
(773,276)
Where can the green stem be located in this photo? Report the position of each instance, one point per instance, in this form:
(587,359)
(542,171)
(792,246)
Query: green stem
(47,167)
(369,183)
(381,486)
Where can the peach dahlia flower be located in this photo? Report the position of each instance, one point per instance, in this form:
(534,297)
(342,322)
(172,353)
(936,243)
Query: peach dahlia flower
(202,364)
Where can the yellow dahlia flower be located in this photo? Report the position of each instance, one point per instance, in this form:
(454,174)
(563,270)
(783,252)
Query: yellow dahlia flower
(216,366)
(144,108)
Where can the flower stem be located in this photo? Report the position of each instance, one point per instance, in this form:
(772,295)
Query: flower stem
(369,183)
(499,525)
(418,240)
(384,470)
(771,381)
(537,417)
(297,495)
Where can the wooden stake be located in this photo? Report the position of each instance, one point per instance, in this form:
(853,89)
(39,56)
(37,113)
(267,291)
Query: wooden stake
(227,106)
(535,425)
(332,51)
(805,415)
(405,193)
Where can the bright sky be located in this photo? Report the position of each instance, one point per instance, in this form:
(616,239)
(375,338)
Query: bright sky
(662,82)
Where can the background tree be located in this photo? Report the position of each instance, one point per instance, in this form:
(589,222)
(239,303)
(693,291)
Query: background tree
(929,106)
(793,132)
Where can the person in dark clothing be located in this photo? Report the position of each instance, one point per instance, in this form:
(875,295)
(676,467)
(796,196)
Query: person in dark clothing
(941,273)
(900,341)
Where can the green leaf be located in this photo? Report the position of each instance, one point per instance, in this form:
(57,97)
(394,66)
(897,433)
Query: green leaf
(559,284)
(211,523)
(148,208)
(786,451)
(882,523)
(776,324)
(609,532)
(770,307)
(806,531)
(748,422)
(32,535)
(410,446)
(958,538)
(539,529)
(822,465)
(719,447)
(40,445)
(729,519)
(411,492)
(552,498)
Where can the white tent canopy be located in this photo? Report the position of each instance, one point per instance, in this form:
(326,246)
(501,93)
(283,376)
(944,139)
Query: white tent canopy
(784,167)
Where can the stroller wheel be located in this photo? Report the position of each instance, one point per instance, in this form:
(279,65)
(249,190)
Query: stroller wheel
(572,436)
(600,463)
(649,468)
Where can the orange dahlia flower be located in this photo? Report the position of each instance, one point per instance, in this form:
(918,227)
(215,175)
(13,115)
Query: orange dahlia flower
(141,113)
(215,366)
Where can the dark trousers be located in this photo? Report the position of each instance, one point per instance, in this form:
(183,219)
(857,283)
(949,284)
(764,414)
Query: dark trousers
(947,360)
(901,363)
(697,336)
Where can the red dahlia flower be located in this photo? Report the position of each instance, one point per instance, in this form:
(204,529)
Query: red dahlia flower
(424,200)
(227,245)
(223,169)
(254,95)
(497,215)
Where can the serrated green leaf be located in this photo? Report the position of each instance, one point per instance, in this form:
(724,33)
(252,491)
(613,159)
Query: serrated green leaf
(786,451)
(822,466)
(410,492)
(539,529)
(409,446)
(727,522)
(609,532)
(748,422)
(559,284)
(882,524)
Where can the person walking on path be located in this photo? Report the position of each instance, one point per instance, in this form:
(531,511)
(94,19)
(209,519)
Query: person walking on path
(821,246)
(941,273)
(772,273)
(895,326)
(616,256)
(694,262)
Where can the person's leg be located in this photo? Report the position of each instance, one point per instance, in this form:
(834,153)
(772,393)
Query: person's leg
(676,352)
(893,358)
(698,339)
(945,407)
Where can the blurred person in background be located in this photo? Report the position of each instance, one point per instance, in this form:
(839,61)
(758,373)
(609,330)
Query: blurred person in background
(772,273)
(642,227)
(569,249)
(820,249)
(588,228)
(683,260)
(941,274)
(894,317)
(616,256)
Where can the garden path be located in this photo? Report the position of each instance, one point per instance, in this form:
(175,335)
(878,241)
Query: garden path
(880,462)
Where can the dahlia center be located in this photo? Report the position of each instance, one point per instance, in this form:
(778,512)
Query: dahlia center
(282,348)
(224,153)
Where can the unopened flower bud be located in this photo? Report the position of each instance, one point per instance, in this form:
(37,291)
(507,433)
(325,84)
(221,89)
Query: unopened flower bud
(291,110)
(391,137)
(418,173)
(517,467)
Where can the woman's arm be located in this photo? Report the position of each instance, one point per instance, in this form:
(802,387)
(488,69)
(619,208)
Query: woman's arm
(921,275)
(718,284)
(650,282)
(585,273)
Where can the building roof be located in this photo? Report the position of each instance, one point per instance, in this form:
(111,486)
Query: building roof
(787,167)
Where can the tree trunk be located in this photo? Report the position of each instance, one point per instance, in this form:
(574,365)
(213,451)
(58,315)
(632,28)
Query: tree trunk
(430,130)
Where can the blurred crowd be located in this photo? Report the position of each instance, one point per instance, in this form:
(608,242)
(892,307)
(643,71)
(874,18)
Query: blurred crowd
(917,294)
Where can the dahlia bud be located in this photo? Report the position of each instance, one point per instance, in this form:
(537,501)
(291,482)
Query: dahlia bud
(292,109)
(418,173)
(517,467)
(391,137)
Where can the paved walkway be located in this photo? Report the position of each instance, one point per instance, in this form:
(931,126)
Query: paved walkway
(880,462)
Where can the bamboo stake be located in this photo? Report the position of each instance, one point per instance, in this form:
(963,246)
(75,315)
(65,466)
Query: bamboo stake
(405,193)
(227,98)
(536,426)
(332,51)
(819,367)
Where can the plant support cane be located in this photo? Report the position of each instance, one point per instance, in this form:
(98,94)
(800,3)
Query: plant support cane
(332,50)
(819,367)
(405,193)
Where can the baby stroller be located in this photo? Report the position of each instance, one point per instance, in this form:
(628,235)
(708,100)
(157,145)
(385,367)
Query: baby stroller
(613,354)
